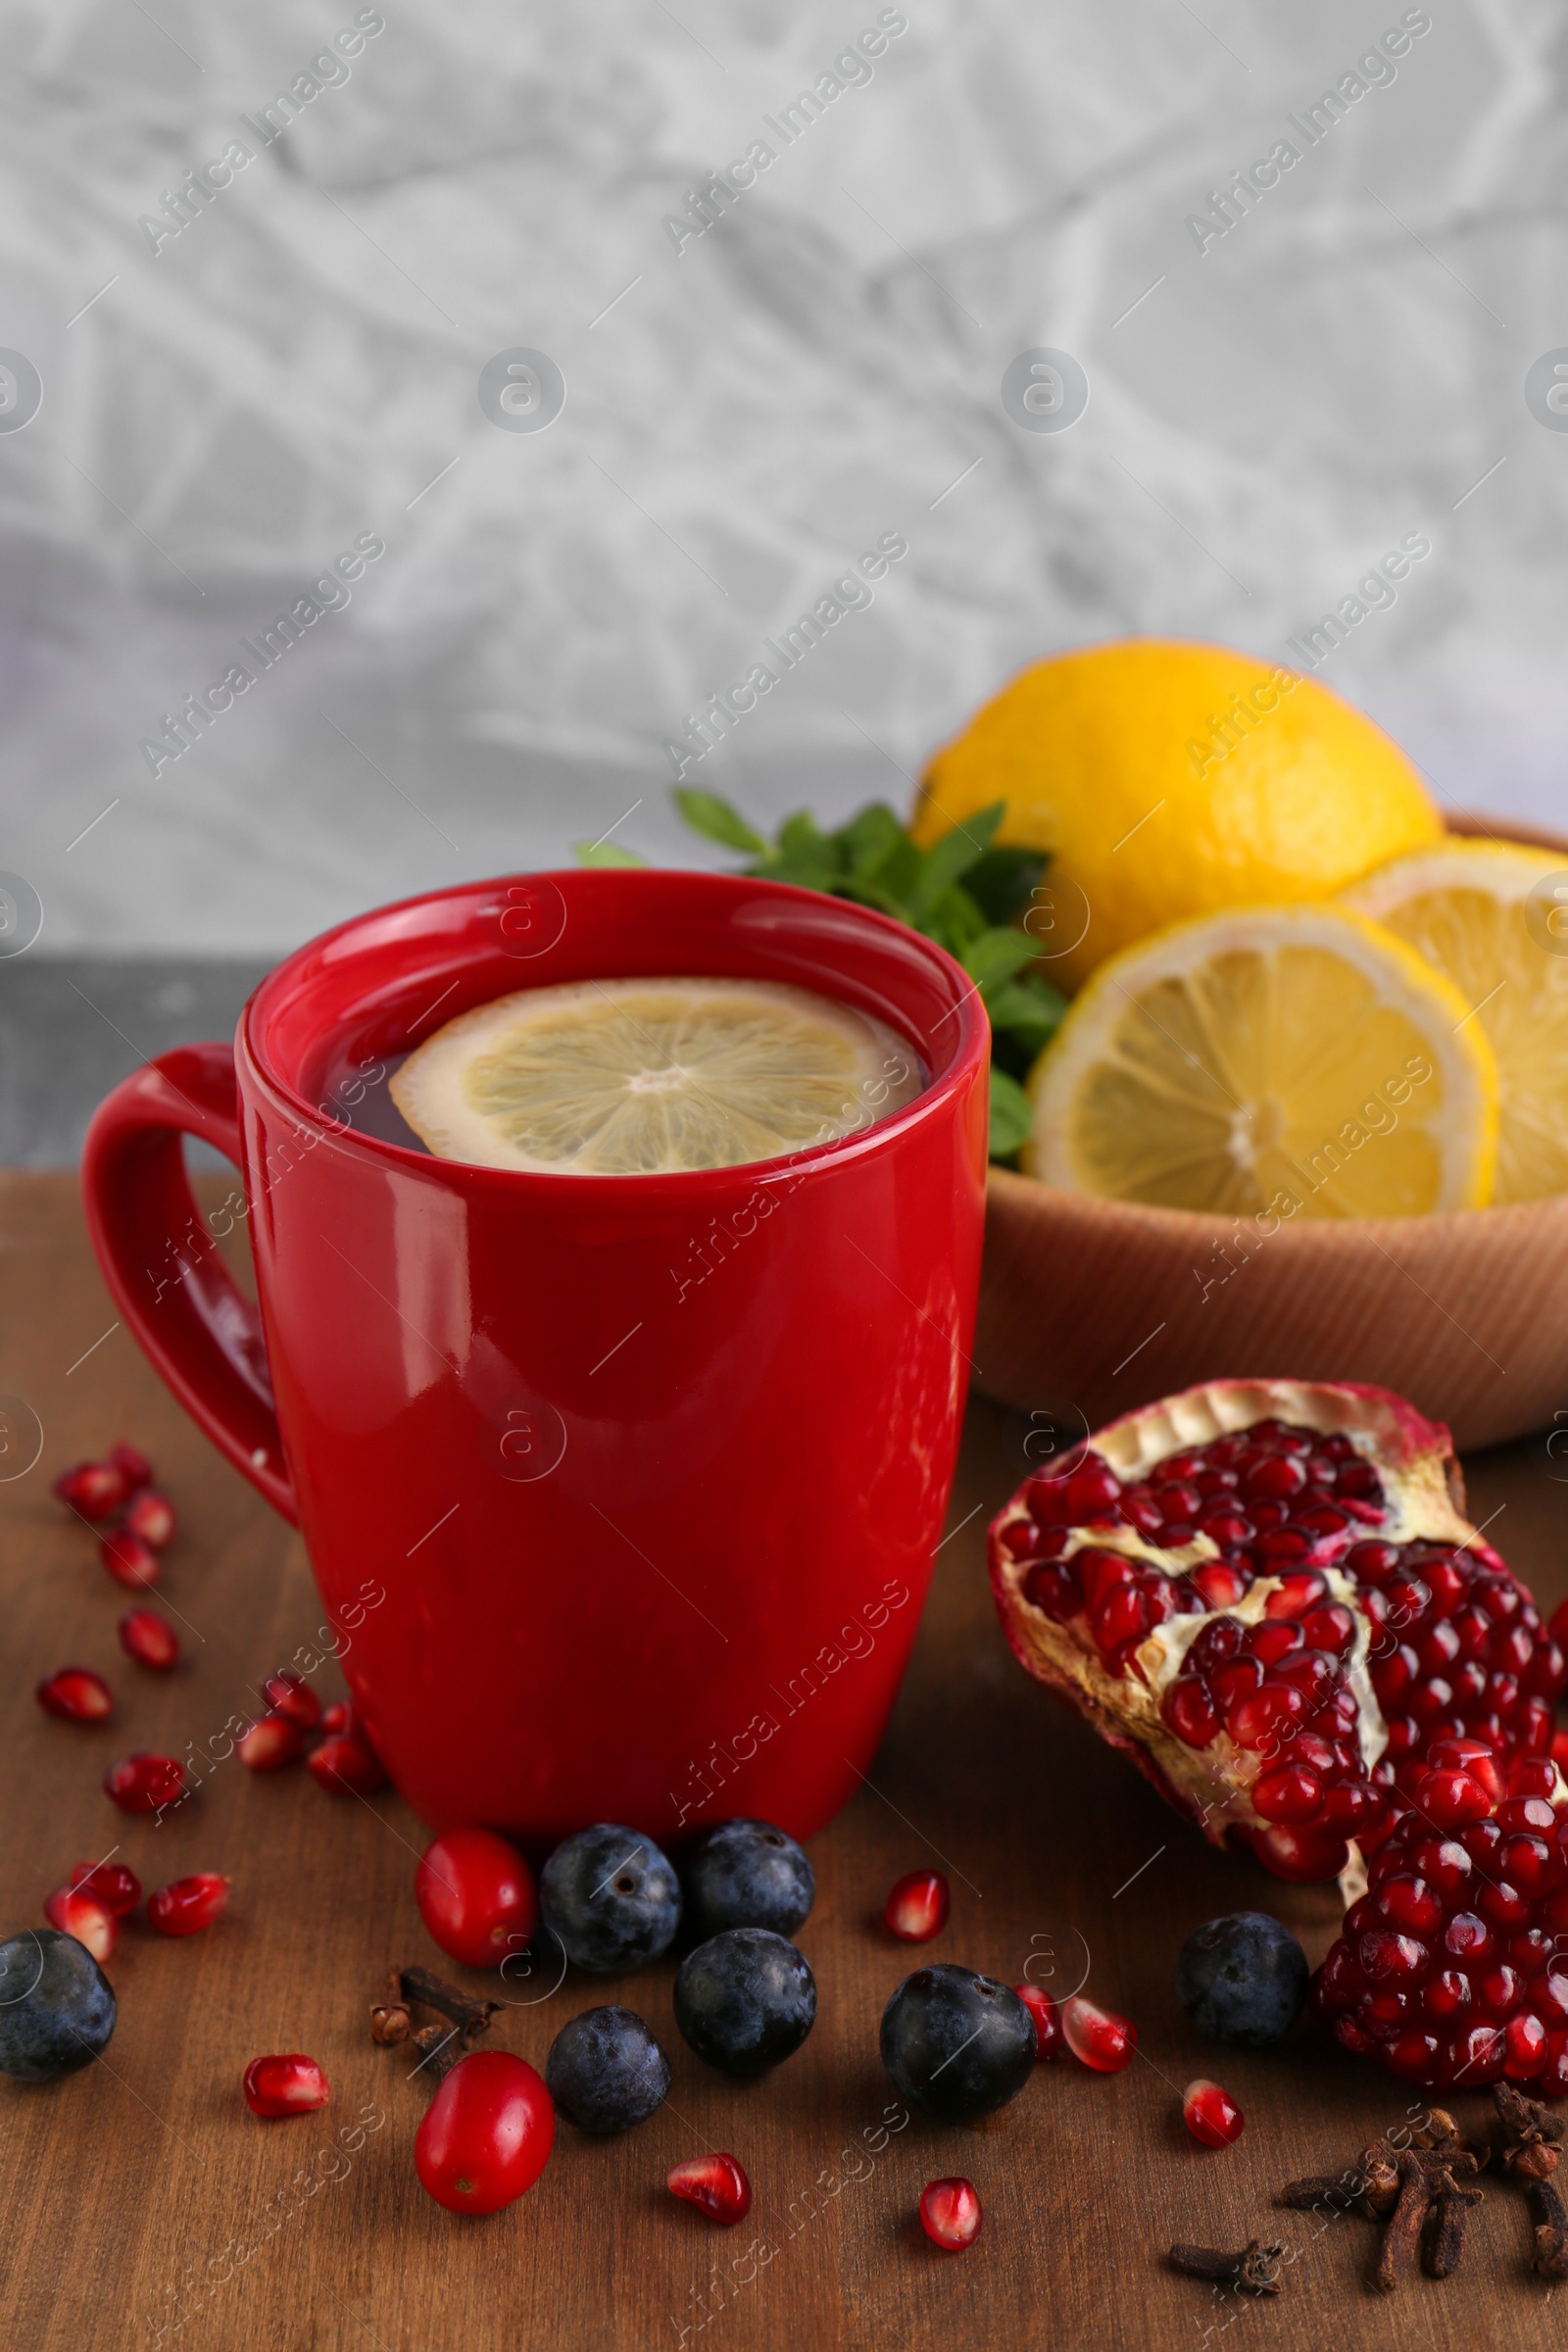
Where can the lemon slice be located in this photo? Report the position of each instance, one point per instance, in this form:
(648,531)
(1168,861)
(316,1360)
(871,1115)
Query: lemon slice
(1265,1057)
(1494,916)
(637,1077)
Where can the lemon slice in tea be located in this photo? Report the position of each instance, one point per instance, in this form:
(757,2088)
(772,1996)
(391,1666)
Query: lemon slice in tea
(1494,916)
(1277,1055)
(643,1077)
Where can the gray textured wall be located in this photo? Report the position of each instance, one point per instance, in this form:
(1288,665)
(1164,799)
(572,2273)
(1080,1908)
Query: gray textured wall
(223,415)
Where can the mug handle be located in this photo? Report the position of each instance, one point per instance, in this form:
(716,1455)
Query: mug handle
(162,1263)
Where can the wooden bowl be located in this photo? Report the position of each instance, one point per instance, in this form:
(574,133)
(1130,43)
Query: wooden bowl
(1095,1306)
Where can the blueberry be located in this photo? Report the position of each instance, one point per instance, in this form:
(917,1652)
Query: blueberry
(612,1897)
(1243,1979)
(745,2000)
(606,2072)
(957,2045)
(57,2007)
(746,1874)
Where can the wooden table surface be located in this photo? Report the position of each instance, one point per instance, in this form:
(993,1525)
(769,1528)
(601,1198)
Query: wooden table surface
(140,2203)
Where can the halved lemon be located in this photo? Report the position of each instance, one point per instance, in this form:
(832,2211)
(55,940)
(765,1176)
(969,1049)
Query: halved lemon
(1266,1057)
(635,1077)
(1492,916)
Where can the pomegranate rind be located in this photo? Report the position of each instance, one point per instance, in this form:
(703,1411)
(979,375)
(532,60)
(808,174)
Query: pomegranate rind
(1424,1499)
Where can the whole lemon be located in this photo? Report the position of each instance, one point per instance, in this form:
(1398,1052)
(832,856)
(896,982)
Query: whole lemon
(1170,780)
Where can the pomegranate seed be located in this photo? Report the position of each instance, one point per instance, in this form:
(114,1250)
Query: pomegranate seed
(1094,1491)
(714,2184)
(286,1694)
(1098,2037)
(1290,1792)
(347,1765)
(93,1490)
(476,1895)
(77,1914)
(110,1883)
(189,1905)
(340,1717)
(270,1743)
(1048,2020)
(129,1561)
(285,2085)
(950,2213)
(132,1464)
(1190,1711)
(145,1784)
(149,1639)
(916,1909)
(1211,2115)
(76,1693)
(151,1516)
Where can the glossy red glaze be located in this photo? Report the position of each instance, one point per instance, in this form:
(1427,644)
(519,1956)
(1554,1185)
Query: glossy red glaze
(624,1454)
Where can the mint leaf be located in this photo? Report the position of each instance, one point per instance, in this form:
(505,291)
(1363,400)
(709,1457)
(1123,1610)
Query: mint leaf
(708,814)
(1012,1118)
(605,853)
(951,858)
(996,953)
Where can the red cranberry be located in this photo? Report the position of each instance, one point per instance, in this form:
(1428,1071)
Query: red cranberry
(187,1905)
(129,1561)
(1098,2037)
(149,1639)
(347,1765)
(76,1913)
(916,1908)
(293,2085)
(486,2134)
(92,1490)
(287,1695)
(1046,2019)
(151,1516)
(715,2184)
(476,1895)
(270,1743)
(1211,2115)
(145,1784)
(950,2214)
(110,1883)
(77,1694)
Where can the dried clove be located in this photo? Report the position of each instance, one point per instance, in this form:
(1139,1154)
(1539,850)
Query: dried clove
(1532,2147)
(1403,2236)
(1448,2216)
(390,2020)
(434,1992)
(1254,2270)
(1547,2211)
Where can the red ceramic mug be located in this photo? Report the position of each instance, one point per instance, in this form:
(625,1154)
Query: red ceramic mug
(651,1468)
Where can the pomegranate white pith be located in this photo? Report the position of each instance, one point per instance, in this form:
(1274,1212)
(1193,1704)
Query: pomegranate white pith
(1266,1594)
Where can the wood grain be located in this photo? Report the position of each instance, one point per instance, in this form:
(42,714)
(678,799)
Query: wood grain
(128,2194)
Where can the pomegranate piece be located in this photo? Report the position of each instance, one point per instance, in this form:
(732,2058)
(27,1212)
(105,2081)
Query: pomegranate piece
(1048,2020)
(129,1559)
(111,1884)
(189,1905)
(151,1517)
(77,1694)
(292,2084)
(1098,2037)
(715,2184)
(1211,2115)
(76,1913)
(149,1639)
(347,1765)
(950,2213)
(146,1783)
(486,2134)
(476,1895)
(287,1695)
(917,1907)
(1450,1969)
(132,1464)
(270,1743)
(92,1490)
(1276,1608)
